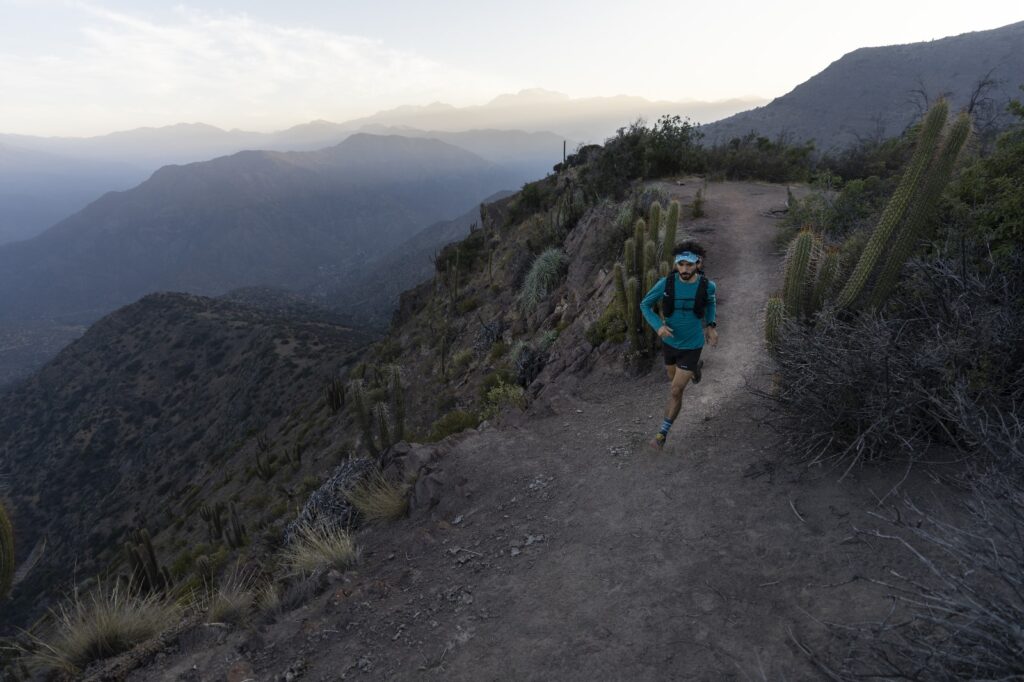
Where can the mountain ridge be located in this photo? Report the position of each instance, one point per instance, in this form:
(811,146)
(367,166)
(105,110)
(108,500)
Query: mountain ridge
(253,218)
(891,87)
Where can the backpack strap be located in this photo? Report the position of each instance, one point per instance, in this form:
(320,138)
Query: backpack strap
(668,299)
(700,301)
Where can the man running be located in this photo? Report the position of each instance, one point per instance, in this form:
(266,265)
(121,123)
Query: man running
(689,310)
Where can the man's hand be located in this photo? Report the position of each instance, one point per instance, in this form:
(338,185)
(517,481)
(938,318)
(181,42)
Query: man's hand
(664,331)
(711,336)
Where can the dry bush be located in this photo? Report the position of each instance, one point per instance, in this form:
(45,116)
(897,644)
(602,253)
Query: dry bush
(963,619)
(107,621)
(268,598)
(936,367)
(378,499)
(319,548)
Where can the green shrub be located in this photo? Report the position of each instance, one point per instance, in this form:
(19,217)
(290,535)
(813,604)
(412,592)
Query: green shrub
(467,305)
(502,396)
(453,422)
(495,378)
(608,327)
(461,360)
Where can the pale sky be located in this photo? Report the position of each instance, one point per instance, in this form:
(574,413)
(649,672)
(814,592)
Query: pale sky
(71,67)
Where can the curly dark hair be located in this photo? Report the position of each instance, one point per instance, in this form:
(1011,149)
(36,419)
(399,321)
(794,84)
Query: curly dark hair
(692,246)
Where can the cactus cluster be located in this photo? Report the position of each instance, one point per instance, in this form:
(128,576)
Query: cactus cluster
(383,423)
(908,210)
(643,262)
(213,517)
(334,395)
(6,553)
(813,270)
(235,528)
(146,572)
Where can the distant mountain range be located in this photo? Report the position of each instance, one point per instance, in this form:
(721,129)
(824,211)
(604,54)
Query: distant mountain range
(879,91)
(524,133)
(253,218)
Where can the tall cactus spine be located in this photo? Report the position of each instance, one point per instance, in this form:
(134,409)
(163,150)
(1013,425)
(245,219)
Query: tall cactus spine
(897,206)
(6,553)
(397,402)
(774,315)
(620,289)
(649,262)
(654,221)
(922,209)
(797,265)
(629,257)
(828,269)
(671,225)
(633,312)
(640,240)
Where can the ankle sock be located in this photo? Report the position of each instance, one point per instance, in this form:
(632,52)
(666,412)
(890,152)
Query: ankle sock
(665,426)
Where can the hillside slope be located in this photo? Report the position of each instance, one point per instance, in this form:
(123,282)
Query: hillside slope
(573,552)
(880,90)
(149,415)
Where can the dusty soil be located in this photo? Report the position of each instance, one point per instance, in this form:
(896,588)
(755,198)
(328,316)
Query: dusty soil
(578,553)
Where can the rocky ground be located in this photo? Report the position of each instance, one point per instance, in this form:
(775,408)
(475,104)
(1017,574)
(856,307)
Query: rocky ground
(572,551)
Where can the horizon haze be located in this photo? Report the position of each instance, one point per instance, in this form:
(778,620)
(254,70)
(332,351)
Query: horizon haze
(92,68)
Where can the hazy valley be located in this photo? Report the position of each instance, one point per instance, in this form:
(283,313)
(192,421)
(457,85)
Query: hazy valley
(259,324)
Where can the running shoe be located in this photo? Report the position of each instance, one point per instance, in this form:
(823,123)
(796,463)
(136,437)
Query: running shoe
(658,442)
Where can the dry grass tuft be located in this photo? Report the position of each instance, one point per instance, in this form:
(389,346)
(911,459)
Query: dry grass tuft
(233,600)
(378,499)
(106,622)
(317,548)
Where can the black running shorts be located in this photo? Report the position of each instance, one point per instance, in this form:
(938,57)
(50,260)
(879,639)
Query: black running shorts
(683,359)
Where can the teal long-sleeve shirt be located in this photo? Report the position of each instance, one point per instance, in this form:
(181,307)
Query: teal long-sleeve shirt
(687,329)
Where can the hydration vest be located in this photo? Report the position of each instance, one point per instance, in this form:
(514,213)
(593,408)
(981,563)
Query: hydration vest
(700,300)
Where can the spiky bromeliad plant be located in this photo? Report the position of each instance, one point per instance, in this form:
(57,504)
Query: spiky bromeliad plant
(542,278)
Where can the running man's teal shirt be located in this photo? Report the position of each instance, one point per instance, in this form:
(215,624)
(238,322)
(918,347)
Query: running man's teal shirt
(687,328)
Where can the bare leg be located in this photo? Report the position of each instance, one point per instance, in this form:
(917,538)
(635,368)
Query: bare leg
(680,378)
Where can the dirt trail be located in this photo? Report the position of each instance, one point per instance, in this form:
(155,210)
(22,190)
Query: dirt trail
(581,554)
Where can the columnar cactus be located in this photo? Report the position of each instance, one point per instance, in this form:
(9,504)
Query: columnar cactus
(633,312)
(620,289)
(654,221)
(6,553)
(357,398)
(214,522)
(923,207)
(629,258)
(382,417)
(649,262)
(671,225)
(896,209)
(334,395)
(397,402)
(236,529)
(798,261)
(146,570)
(828,269)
